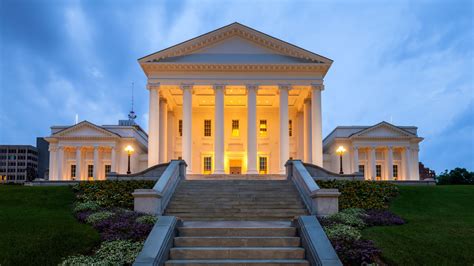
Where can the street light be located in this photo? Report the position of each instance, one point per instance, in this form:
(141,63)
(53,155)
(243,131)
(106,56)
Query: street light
(129,149)
(340,151)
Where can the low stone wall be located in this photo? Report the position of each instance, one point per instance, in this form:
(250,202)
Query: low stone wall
(152,173)
(430,182)
(319,173)
(46,183)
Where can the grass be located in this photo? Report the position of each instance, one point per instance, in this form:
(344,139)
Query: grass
(439,229)
(37,226)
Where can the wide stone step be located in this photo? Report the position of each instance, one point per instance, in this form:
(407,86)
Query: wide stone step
(237,253)
(238,262)
(177,206)
(237,241)
(237,231)
(237,210)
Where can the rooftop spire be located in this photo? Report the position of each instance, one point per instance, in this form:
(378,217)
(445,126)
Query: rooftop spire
(132,115)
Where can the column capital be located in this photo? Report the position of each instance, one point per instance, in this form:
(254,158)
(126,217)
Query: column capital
(355,147)
(186,86)
(251,86)
(284,86)
(218,86)
(153,85)
(317,87)
(390,147)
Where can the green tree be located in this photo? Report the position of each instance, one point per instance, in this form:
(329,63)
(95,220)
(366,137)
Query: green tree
(456,176)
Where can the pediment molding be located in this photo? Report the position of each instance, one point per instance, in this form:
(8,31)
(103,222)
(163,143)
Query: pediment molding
(232,30)
(368,133)
(234,67)
(68,133)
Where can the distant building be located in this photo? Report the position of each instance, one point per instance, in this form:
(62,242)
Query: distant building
(43,157)
(86,151)
(18,162)
(426,172)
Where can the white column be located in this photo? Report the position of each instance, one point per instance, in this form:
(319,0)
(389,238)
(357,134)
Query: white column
(78,163)
(307,131)
(300,146)
(153,124)
(60,163)
(52,162)
(407,163)
(96,163)
(113,160)
(284,138)
(355,161)
(372,162)
(187,126)
(415,168)
(219,129)
(252,129)
(389,158)
(316,125)
(163,130)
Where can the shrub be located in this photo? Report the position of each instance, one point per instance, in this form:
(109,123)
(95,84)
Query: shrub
(82,216)
(86,206)
(358,252)
(110,193)
(351,217)
(362,194)
(147,219)
(96,217)
(342,231)
(121,252)
(381,217)
(457,176)
(123,225)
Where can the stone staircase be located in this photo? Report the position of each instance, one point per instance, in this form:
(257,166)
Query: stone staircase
(243,199)
(237,243)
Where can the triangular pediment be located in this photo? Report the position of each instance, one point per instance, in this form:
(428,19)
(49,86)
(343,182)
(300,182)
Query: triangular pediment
(238,44)
(85,129)
(383,130)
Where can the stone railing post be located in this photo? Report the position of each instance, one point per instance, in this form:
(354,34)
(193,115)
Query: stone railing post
(325,201)
(147,201)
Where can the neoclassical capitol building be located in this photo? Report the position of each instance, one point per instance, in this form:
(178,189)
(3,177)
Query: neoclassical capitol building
(234,101)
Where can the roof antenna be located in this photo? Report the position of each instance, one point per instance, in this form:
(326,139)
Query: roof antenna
(132,115)
(77,119)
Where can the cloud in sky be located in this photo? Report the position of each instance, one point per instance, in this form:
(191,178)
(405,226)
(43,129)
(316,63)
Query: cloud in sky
(406,62)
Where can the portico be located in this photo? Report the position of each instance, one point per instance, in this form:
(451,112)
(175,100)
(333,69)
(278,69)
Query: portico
(237,101)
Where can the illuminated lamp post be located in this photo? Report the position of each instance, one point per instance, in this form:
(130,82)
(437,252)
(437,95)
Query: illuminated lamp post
(340,151)
(129,149)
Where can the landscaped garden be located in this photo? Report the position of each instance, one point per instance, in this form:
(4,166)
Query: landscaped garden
(93,223)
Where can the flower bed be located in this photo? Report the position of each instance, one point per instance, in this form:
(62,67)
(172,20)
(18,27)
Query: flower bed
(106,205)
(344,231)
(362,194)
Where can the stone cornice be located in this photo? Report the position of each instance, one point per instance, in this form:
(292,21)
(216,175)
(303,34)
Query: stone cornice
(148,67)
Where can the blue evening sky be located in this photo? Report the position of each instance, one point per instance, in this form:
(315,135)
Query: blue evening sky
(405,62)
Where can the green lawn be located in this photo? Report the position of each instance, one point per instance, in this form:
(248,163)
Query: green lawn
(439,229)
(37,226)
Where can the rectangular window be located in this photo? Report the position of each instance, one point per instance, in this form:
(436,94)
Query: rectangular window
(180,128)
(207,164)
(90,171)
(108,168)
(395,171)
(290,128)
(207,128)
(235,128)
(361,168)
(262,165)
(378,171)
(73,170)
(263,128)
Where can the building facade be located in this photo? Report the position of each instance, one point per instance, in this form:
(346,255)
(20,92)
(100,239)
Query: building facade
(382,152)
(18,163)
(235,100)
(86,151)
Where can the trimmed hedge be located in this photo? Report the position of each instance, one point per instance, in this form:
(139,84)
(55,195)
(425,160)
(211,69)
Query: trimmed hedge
(362,194)
(110,193)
